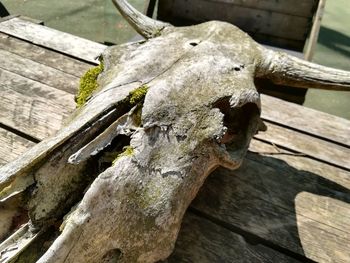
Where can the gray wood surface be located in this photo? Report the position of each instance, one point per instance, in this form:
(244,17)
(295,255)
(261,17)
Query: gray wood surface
(278,199)
(306,144)
(44,36)
(292,7)
(42,55)
(301,211)
(286,160)
(307,120)
(38,72)
(11,146)
(251,20)
(203,241)
(32,107)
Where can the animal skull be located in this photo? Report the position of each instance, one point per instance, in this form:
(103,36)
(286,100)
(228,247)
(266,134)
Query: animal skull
(200,111)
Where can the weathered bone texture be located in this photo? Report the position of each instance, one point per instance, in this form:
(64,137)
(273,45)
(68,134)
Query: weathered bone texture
(200,112)
(144,25)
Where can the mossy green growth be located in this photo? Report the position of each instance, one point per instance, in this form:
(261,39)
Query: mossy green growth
(127,151)
(138,95)
(88,83)
(146,196)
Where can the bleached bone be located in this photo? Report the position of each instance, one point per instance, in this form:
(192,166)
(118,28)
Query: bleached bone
(200,112)
(144,25)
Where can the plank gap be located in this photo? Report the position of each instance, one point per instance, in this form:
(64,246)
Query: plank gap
(262,9)
(19,133)
(38,62)
(301,154)
(69,90)
(306,119)
(318,136)
(52,49)
(249,237)
(69,44)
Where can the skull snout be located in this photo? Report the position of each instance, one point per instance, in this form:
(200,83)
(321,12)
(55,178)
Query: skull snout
(241,123)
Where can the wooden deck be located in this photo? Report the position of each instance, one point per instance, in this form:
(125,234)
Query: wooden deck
(289,202)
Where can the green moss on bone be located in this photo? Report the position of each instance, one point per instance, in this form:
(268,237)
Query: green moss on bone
(138,95)
(127,151)
(88,84)
(147,196)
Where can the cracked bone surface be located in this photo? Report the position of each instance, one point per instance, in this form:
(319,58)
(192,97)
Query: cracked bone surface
(200,111)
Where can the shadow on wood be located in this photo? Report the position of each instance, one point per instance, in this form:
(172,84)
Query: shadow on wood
(282,212)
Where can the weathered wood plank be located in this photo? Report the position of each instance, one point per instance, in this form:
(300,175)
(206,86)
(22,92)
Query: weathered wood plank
(43,55)
(314,177)
(203,241)
(250,20)
(38,72)
(11,146)
(286,206)
(308,205)
(32,107)
(276,158)
(306,144)
(31,19)
(288,7)
(315,30)
(63,42)
(289,44)
(306,120)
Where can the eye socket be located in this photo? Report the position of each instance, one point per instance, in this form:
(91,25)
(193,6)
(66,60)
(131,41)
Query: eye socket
(237,121)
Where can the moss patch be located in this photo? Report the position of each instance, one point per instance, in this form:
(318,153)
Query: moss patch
(147,196)
(88,83)
(138,95)
(127,151)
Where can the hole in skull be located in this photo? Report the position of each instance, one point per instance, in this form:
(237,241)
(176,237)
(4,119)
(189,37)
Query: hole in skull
(193,44)
(112,255)
(241,123)
(106,157)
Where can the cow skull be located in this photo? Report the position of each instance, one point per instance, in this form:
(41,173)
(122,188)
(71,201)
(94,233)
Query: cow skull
(186,103)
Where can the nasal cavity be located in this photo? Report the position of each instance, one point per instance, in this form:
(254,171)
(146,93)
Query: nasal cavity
(236,120)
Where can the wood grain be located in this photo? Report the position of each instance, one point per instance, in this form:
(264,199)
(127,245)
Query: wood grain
(306,120)
(288,7)
(250,20)
(315,30)
(32,107)
(203,241)
(306,144)
(298,210)
(38,72)
(43,56)
(44,36)
(286,160)
(12,146)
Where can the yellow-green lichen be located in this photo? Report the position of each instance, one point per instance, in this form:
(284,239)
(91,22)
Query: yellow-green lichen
(127,151)
(146,197)
(138,95)
(88,83)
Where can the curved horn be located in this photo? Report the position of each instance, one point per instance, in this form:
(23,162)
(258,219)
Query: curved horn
(284,69)
(145,26)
